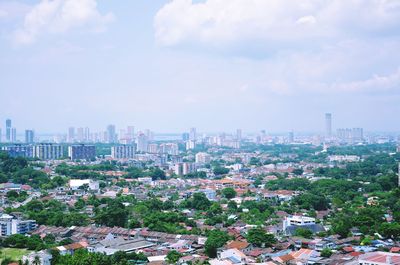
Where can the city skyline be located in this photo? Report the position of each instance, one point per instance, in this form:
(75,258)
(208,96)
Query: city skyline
(142,63)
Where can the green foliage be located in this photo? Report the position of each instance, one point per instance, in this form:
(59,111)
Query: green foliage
(390,230)
(260,238)
(229,193)
(173,257)
(215,240)
(156,173)
(198,201)
(304,232)
(82,257)
(20,241)
(114,214)
(218,170)
(326,253)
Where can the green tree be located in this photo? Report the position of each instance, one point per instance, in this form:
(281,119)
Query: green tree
(229,193)
(326,253)
(173,257)
(215,240)
(260,238)
(304,232)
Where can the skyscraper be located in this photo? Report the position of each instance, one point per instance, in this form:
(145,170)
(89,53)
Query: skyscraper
(111,136)
(8,130)
(82,151)
(87,135)
(131,133)
(80,134)
(328,124)
(123,151)
(29,136)
(239,134)
(192,134)
(142,143)
(71,135)
(13,135)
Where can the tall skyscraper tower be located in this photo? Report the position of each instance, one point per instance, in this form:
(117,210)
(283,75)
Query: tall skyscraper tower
(131,133)
(142,143)
(71,135)
(111,136)
(13,135)
(80,134)
(328,124)
(29,136)
(192,134)
(8,130)
(239,134)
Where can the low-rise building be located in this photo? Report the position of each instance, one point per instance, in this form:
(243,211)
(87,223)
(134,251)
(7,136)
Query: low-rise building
(10,225)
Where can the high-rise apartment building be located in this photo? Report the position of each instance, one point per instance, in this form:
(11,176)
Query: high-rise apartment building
(153,148)
(192,134)
(348,135)
(169,148)
(29,136)
(81,151)
(48,151)
(203,158)
(123,151)
(8,130)
(71,135)
(18,150)
(80,134)
(328,125)
(130,134)
(13,135)
(142,143)
(357,134)
(239,134)
(185,136)
(86,137)
(185,168)
(191,144)
(111,135)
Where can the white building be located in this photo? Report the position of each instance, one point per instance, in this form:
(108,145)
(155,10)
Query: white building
(203,158)
(297,220)
(75,184)
(10,225)
(343,158)
(169,148)
(48,151)
(123,151)
(142,143)
(43,257)
(182,169)
(153,148)
(191,144)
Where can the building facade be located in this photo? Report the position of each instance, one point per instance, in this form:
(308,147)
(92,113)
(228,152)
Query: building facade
(82,151)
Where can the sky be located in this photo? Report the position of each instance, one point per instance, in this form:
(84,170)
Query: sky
(217,65)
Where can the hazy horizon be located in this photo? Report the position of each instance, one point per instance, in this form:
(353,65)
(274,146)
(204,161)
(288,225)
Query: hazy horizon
(216,65)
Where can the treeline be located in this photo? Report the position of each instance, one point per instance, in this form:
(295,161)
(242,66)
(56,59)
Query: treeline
(18,170)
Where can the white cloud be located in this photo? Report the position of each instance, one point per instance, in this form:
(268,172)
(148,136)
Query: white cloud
(376,83)
(221,22)
(58,16)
